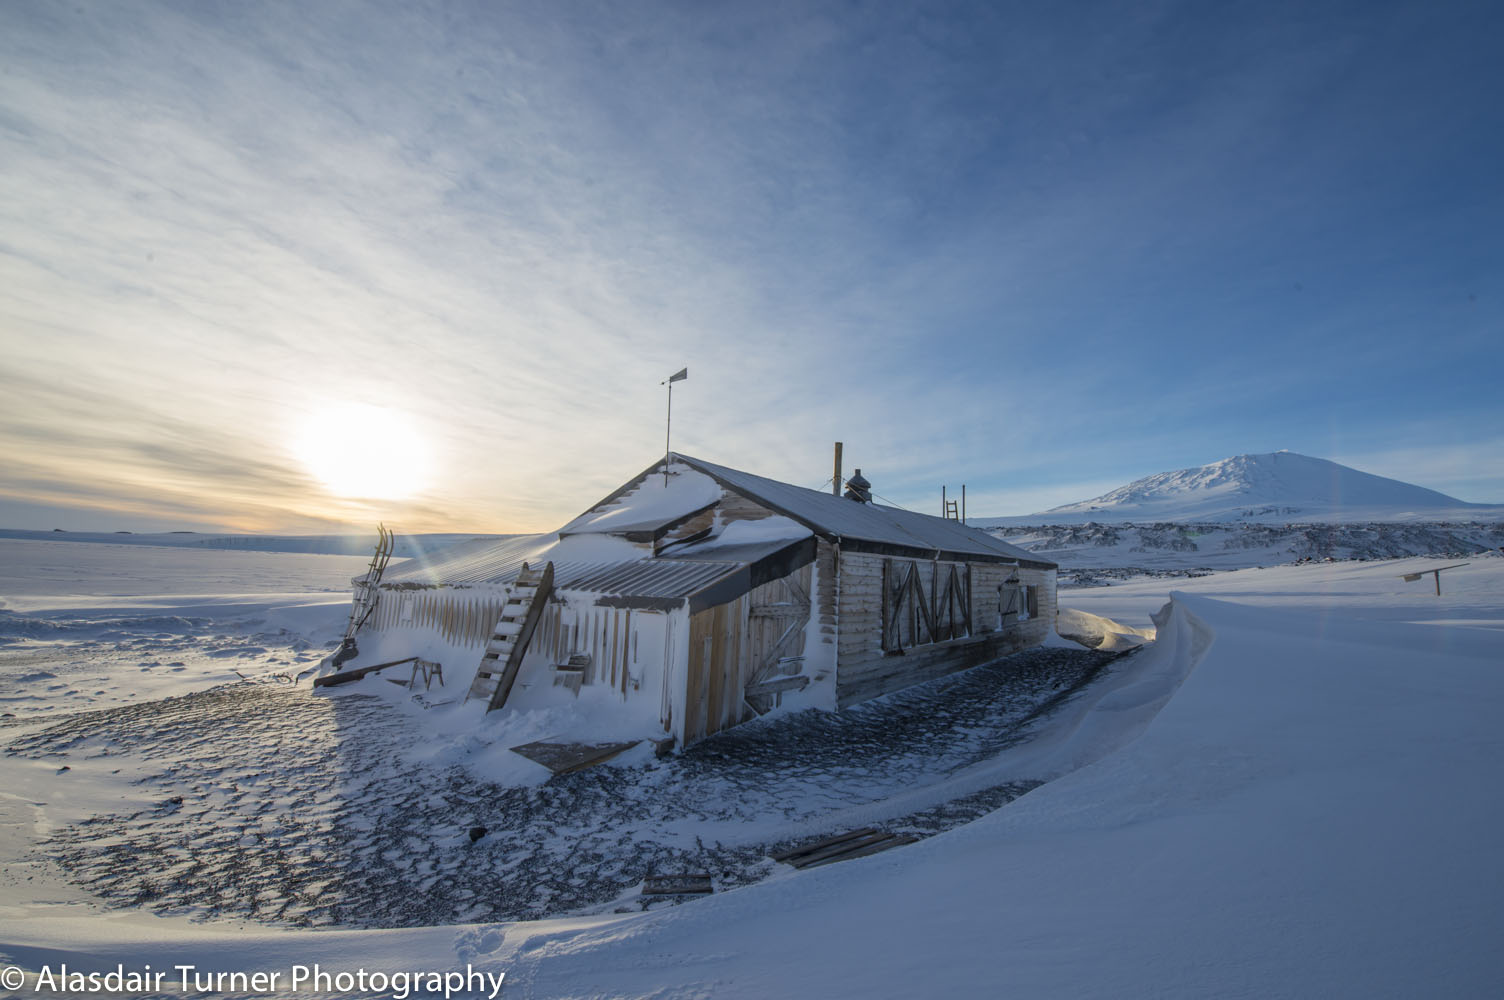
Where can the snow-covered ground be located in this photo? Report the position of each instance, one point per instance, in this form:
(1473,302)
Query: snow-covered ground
(90,625)
(1472,596)
(390,779)
(1292,792)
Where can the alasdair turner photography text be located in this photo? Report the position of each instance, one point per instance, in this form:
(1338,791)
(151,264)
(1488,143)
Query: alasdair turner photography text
(314,980)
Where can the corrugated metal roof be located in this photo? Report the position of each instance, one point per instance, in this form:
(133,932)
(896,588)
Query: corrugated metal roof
(833,515)
(483,560)
(660,577)
(745,554)
(497,562)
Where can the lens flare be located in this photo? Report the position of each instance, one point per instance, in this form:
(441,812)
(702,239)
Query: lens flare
(359,451)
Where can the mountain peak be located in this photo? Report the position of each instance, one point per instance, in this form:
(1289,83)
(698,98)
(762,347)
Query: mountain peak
(1280,485)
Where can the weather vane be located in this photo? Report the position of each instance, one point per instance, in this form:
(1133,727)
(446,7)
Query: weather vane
(682,373)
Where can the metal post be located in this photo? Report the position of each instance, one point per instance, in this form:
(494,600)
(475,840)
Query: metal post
(963,503)
(668,423)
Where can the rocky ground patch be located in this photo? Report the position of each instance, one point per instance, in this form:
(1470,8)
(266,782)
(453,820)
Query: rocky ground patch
(277,805)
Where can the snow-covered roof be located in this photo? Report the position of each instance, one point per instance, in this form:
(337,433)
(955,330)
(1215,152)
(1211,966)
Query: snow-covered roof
(605,566)
(600,568)
(646,511)
(838,518)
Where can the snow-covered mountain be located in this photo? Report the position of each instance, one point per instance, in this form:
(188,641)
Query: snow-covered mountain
(1281,487)
(1085,550)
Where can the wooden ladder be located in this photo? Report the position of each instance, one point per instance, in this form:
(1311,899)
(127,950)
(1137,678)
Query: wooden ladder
(509,640)
(367,595)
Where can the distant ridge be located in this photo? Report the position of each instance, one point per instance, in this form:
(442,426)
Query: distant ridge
(338,545)
(1273,488)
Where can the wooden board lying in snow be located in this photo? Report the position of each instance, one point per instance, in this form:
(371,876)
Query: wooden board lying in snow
(356,673)
(563,758)
(677,885)
(843,847)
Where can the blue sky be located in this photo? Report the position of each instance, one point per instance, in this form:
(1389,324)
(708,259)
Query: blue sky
(1039,249)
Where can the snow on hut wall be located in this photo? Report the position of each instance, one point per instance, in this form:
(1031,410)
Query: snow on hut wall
(625,646)
(461,616)
(627,651)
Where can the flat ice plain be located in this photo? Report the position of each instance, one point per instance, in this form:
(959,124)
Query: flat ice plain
(1292,792)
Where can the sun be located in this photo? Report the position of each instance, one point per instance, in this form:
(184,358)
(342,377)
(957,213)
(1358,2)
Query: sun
(361,451)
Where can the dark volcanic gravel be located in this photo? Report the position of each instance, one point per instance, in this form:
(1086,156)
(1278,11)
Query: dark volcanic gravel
(278,805)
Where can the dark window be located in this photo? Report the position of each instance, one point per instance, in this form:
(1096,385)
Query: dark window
(1017,601)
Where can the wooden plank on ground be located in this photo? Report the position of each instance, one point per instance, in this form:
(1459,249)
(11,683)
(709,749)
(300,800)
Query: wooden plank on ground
(677,885)
(837,852)
(356,673)
(565,758)
(856,844)
(861,851)
(819,844)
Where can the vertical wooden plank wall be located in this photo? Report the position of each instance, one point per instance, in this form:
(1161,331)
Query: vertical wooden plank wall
(716,675)
(460,617)
(727,644)
(467,618)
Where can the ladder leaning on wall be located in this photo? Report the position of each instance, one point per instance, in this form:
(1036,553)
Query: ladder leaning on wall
(520,612)
(366,594)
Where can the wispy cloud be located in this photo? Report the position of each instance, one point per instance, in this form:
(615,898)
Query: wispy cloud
(973,244)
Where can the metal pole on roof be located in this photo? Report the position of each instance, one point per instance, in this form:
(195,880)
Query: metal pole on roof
(682,373)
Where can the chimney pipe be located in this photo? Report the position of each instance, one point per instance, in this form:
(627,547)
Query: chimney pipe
(858,489)
(836,483)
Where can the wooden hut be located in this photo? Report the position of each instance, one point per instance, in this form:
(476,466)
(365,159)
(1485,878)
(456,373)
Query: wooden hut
(699,596)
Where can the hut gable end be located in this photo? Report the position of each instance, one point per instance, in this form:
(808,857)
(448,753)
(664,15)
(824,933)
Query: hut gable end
(648,507)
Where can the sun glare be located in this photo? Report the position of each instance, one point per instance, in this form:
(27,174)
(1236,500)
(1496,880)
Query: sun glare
(361,451)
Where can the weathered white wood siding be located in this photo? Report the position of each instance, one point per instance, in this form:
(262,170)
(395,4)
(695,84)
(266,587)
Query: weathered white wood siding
(461,616)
